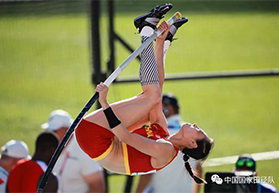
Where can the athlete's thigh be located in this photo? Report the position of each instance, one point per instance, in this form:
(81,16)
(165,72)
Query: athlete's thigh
(129,112)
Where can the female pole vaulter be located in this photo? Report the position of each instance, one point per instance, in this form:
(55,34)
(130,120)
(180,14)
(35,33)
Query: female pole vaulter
(114,136)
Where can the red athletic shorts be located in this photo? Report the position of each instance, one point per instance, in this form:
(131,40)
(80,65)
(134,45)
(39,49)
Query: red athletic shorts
(94,140)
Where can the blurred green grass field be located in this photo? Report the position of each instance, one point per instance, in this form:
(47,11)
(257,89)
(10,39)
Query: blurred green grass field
(45,65)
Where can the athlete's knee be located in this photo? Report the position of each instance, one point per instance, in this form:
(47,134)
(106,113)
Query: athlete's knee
(153,94)
(157,96)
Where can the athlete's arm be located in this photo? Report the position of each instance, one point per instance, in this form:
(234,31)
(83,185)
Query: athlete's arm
(156,115)
(159,51)
(158,149)
(102,89)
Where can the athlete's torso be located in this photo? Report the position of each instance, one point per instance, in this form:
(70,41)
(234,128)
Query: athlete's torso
(115,161)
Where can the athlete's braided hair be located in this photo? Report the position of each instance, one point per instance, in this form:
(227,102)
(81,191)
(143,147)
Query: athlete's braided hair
(199,153)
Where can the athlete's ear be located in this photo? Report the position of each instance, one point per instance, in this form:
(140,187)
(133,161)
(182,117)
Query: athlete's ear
(194,144)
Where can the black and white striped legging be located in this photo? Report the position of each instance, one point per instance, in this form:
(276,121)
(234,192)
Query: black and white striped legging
(148,73)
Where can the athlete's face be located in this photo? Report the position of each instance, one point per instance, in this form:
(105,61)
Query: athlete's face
(192,133)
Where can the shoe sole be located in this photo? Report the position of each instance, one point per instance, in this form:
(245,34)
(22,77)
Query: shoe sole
(138,20)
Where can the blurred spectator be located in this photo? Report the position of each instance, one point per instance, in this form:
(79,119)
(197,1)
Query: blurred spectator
(174,177)
(11,153)
(245,166)
(76,171)
(26,175)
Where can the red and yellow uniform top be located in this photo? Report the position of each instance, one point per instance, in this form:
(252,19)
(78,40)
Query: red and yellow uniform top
(136,162)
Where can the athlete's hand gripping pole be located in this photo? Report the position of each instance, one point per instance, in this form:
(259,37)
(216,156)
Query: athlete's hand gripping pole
(89,104)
